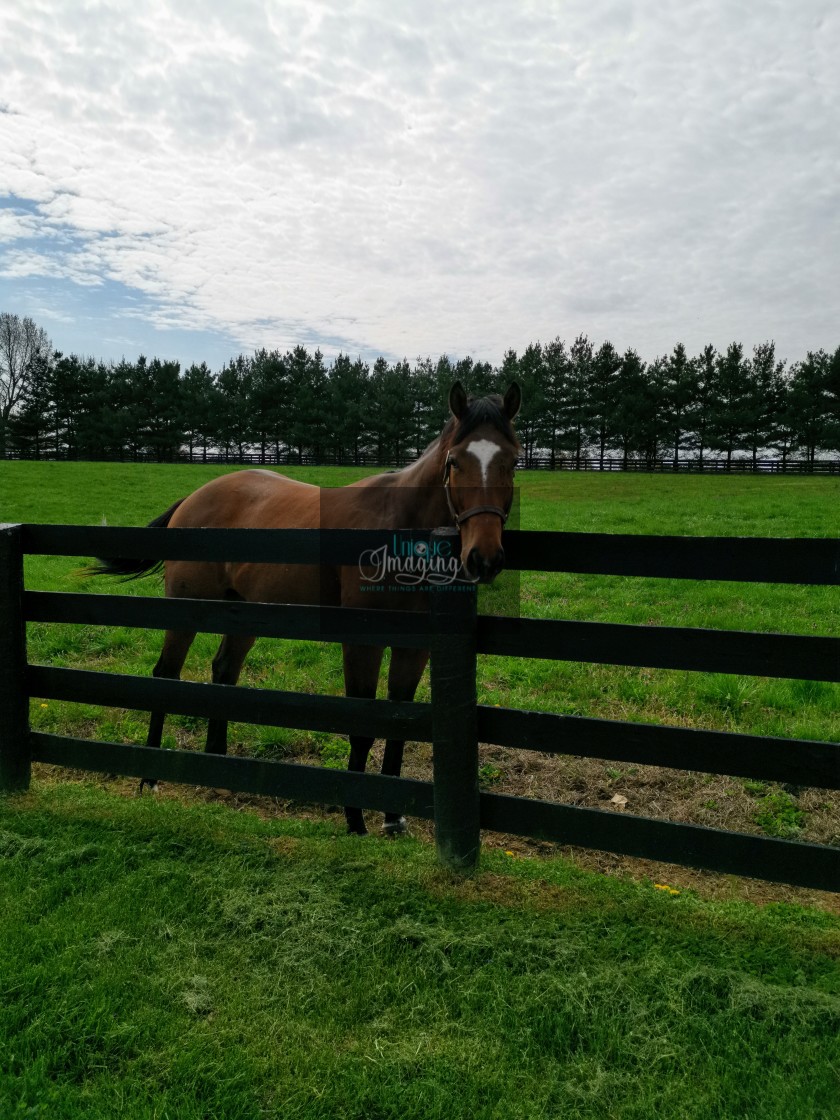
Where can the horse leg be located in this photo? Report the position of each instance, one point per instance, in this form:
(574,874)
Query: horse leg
(176,644)
(407,667)
(361,675)
(227,665)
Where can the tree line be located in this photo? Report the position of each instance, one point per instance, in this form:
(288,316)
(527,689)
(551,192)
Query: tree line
(580,400)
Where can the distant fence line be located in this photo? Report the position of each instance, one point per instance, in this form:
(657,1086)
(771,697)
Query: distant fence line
(541,462)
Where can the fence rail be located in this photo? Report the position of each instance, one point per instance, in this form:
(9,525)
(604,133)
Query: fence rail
(453,721)
(535,461)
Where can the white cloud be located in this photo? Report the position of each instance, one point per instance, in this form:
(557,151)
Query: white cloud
(418,178)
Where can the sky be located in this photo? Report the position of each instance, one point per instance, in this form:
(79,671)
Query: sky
(196,180)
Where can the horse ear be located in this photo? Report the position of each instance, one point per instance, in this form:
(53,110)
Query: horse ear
(457,400)
(513,400)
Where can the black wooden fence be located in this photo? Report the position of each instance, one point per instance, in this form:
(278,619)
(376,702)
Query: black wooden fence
(534,461)
(453,721)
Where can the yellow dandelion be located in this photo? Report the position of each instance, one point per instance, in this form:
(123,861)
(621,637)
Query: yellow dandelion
(509,853)
(45,705)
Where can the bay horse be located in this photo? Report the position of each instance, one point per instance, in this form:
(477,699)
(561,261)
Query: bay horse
(464,477)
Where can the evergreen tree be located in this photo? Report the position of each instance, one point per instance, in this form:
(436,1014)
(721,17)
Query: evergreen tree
(234,384)
(531,418)
(831,438)
(31,431)
(348,403)
(728,419)
(426,406)
(808,403)
(484,380)
(576,438)
(603,395)
(393,409)
(312,408)
(268,392)
(65,401)
(444,378)
(202,408)
(631,420)
(554,420)
(306,402)
(654,430)
(164,428)
(700,410)
(783,436)
(119,410)
(679,392)
(763,401)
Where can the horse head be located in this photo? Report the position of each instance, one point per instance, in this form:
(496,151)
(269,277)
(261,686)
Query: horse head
(478,476)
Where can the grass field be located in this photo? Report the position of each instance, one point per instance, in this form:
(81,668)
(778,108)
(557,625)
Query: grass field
(180,957)
(665,504)
(166,962)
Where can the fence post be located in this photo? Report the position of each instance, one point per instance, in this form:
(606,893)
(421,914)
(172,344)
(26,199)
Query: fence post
(15,748)
(454,715)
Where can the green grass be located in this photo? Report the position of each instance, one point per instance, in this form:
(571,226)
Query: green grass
(705,505)
(179,963)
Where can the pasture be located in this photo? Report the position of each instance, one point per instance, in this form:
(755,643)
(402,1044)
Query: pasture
(182,962)
(126,494)
(170,957)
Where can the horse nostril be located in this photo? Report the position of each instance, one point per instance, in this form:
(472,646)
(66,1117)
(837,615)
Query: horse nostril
(474,562)
(483,567)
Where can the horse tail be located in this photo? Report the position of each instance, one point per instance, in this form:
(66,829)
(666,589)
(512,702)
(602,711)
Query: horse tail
(127,568)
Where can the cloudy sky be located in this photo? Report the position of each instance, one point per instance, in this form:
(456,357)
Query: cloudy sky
(193,180)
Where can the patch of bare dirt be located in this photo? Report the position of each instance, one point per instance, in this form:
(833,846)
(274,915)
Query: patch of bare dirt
(649,791)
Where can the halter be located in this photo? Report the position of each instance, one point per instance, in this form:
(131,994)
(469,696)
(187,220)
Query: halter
(459,518)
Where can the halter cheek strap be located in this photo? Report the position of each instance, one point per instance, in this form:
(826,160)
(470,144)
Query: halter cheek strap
(459,518)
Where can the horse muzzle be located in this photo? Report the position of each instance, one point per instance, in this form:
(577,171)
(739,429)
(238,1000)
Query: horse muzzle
(482,568)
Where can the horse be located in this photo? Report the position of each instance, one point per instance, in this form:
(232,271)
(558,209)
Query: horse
(464,477)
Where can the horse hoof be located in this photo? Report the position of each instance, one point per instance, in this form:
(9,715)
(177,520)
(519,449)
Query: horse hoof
(395,828)
(152,783)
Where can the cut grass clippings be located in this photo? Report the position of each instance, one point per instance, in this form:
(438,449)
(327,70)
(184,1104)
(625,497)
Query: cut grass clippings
(162,960)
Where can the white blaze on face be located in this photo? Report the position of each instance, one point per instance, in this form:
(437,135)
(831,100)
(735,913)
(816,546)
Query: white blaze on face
(484,450)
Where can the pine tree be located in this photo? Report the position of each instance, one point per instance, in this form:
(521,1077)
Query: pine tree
(680,389)
(164,427)
(234,384)
(555,388)
(603,395)
(632,413)
(700,410)
(763,402)
(728,419)
(809,408)
(268,392)
(577,437)
(31,429)
(348,402)
(393,408)
(831,438)
(202,408)
(425,411)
